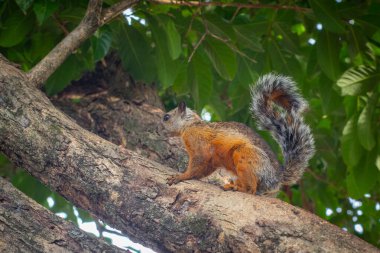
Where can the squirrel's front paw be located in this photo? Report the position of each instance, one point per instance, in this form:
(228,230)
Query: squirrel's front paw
(173,180)
(229,187)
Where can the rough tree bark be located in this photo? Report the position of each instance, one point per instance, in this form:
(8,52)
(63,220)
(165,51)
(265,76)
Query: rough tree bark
(129,192)
(25,226)
(110,104)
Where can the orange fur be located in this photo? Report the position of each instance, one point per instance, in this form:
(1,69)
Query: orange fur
(210,148)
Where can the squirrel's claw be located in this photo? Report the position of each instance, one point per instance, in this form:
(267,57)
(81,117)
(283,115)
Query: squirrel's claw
(173,180)
(229,187)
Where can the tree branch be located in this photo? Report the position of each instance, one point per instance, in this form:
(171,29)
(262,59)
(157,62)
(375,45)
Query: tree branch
(25,226)
(41,72)
(93,19)
(130,193)
(115,10)
(231,4)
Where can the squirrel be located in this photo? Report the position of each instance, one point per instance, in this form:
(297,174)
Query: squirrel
(277,107)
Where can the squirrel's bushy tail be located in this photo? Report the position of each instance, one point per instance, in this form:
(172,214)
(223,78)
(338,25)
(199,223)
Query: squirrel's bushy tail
(277,106)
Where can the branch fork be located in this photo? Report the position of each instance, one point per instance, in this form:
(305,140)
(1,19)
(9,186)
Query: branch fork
(94,18)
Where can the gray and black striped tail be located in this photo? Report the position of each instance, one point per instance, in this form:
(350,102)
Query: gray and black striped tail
(277,107)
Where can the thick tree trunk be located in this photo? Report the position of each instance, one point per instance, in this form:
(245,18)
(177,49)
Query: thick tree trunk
(129,192)
(25,226)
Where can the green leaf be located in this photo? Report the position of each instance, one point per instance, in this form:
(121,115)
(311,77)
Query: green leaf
(219,27)
(41,44)
(350,105)
(217,108)
(238,90)
(282,61)
(200,80)
(352,187)
(222,57)
(71,69)
(328,54)
(331,99)
(358,79)
(180,85)
(365,131)
(14,29)
(278,58)
(258,26)
(74,14)
(325,12)
(350,145)
(43,9)
(24,4)
(101,43)
(312,62)
(363,175)
(378,162)
(356,42)
(30,186)
(167,68)
(247,38)
(366,172)
(288,40)
(61,205)
(173,38)
(298,29)
(135,53)
(370,22)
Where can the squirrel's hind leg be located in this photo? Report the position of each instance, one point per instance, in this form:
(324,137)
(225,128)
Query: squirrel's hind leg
(244,164)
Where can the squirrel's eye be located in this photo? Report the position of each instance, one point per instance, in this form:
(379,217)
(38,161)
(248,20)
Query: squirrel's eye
(166,117)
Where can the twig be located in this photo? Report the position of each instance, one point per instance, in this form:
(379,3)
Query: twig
(61,25)
(235,14)
(317,177)
(238,5)
(233,47)
(197,45)
(93,19)
(190,25)
(115,10)
(224,40)
(40,73)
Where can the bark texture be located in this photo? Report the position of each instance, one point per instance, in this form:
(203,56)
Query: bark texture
(110,104)
(130,193)
(25,226)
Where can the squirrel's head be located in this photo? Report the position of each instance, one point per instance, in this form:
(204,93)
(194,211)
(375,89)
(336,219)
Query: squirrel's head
(179,118)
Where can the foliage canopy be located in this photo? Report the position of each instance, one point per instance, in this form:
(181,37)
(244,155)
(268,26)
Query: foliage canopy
(209,55)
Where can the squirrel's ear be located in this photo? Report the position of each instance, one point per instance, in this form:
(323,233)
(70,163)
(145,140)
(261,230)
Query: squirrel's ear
(182,107)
